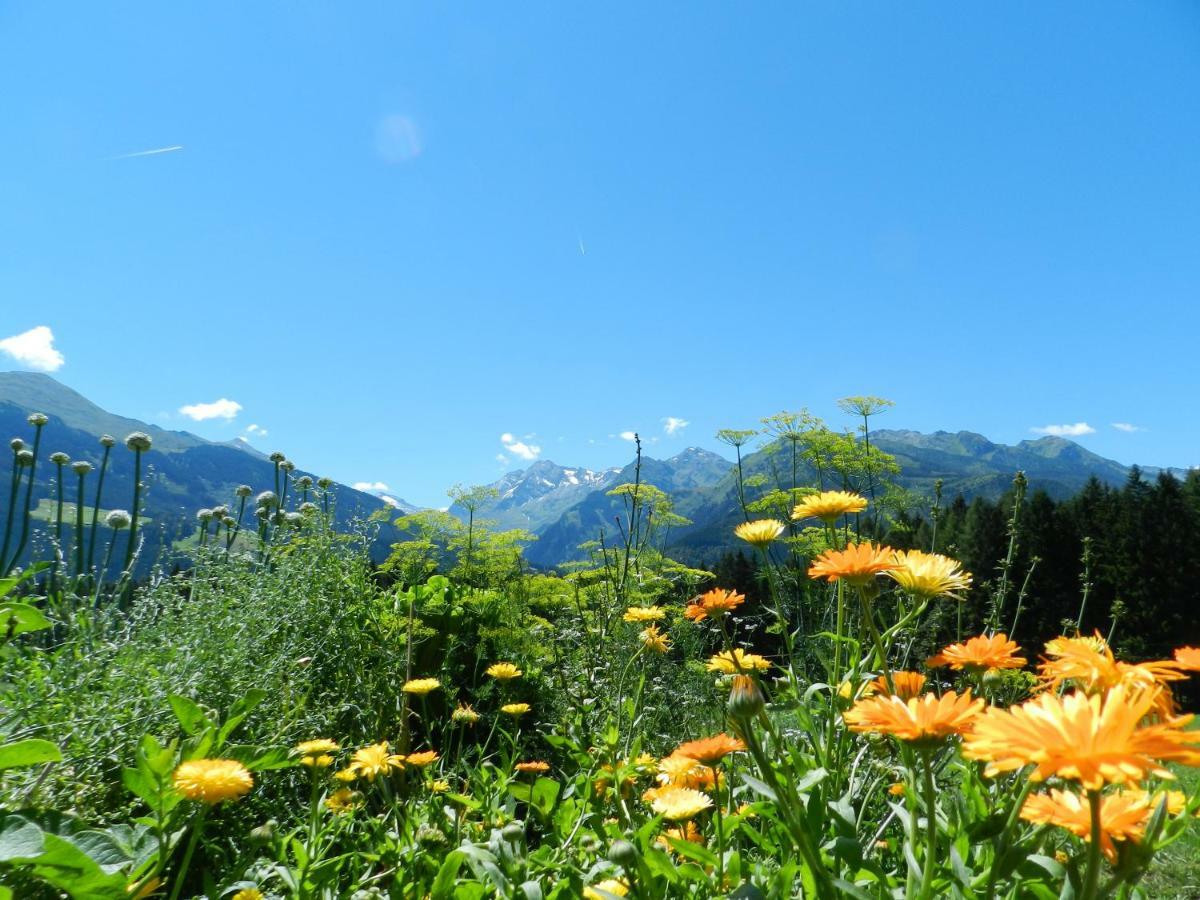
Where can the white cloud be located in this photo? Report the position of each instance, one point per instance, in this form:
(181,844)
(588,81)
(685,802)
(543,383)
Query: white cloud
(397,139)
(256,430)
(370,486)
(520,448)
(502,459)
(672,424)
(35,349)
(1126,427)
(1079,428)
(218,409)
(627,436)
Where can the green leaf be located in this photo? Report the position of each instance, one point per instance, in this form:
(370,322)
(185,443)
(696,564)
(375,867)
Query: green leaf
(443,883)
(21,618)
(31,752)
(19,839)
(191,717)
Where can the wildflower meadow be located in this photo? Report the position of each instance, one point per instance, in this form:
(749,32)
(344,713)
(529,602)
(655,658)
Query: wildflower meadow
(271,714)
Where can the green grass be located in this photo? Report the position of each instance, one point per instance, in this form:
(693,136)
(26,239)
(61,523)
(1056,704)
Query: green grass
(47,509)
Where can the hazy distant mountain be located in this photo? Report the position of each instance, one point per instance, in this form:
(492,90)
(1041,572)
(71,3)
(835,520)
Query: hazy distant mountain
(183,472)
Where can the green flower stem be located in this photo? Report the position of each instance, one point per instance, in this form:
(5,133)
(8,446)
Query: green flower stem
(91,554)
(79,529)
(1092,879)
(869,619)
(133,513)
(931,833)
(193,840)
(37,440)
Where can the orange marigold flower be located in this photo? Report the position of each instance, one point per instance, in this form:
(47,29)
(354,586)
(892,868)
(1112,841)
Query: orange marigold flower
(930,574)
(710,750)
(1094,740)
(687,831)
(858,564)
(421,759)
(829,505)
(684,771)
(654,640)
(979,653)
(532,766)
(1123,814)
(924,719)
(1088,664)
(1188,658)
(714,604)
(907,685)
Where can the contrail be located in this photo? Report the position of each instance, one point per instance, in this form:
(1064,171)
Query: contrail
(149,152)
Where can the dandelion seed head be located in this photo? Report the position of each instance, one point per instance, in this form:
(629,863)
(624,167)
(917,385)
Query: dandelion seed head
(117,519)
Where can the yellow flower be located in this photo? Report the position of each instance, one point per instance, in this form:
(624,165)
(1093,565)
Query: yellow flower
(375,760)
(324,761)
(732,662)
(248,894)
(714,604)
(896,789)
(906,685)
(678,803)
(926,719)
(464,715)
(858,564)
(422,759)
(601,890)
(421,686)
(655,640)
(317,747)
(213,780)
(829,505)
(439,786)
(342,800)
(687,831)
(1123,814)
(515,709)
(533,766)
(504,671)
(980,653)
(145,890)
(346,775)
(930,574)
(1188,658)
(760,533)
(1093,740)
(641,614)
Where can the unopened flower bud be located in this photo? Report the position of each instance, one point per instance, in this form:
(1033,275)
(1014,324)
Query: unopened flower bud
(117,519)
(107,440)
(287,465)
(81,467)
(624,854)
(37,420)
(204,515)
(277,457)
(25,458)
(243,490)
(138,441)
(745,698)
(59,458)
(267,499)
(513,832)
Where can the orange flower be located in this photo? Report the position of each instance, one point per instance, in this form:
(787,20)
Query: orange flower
(714,604)
(858,564)
(925,719)
(685,832)
(907,685)
(1123,815)
(710,750)
(677,770)
(1188,658)
(979,653)
(534,766)
(422,759)
(1088,664)
(1094,739)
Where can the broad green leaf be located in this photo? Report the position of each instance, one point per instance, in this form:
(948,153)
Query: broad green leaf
(31,752)
(19,838)
(21,618)
(443,883)
(191,717)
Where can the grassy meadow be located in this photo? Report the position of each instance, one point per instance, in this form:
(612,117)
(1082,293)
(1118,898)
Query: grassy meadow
(280,717)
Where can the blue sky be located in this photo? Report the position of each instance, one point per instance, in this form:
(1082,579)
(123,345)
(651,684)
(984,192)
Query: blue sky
(394,232)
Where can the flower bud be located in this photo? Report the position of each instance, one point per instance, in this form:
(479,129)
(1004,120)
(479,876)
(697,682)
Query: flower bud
(277,457)
(624,854)
(117,519)
(745,698)
(81,467)
(243,490)
(17,445)
(37,420)
(204,516)
(59,458)
(25,458)
(107,440)
(266,499)
(513,832)
(264,833)
(287,465)
(138,441)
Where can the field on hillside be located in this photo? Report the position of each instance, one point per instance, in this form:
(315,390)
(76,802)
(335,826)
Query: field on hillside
(842,710)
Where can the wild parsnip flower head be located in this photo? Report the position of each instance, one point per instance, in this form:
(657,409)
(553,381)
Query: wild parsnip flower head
(858,564)
(979,654)
(243,490)
(906,685)
(421,759)
(641,614)
(926,719)
(678,803)
(107,440)
(829,506)
(421,686)
(117,519)
(713,604)
(464,715)
(81,467)
(204,515)
(59,458)
(760,533)
(375,760)
(604,890)
(138,441)
(731,662)
(746,698)
(536,765)
(267,499)
(710,750)
(17,445)
(503,671)
(1124,814)
(1094,740)
(654,640)
(24,458)
(277,457)
(37,420)
(930,574)
(1188,658)
(212,780)
(515,709)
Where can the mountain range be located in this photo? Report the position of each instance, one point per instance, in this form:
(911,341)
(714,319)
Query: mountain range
(563,506)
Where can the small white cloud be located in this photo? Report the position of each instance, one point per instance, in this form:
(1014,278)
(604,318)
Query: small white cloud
(397,139)
(520,448)
(1079,428)
(370,486)
(35,349)
(1126,427)
(502,459)
(218,409)
(628,436)
(673,424)
(256,430)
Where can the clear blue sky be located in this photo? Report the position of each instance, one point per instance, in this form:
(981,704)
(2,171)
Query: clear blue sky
(395,232)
